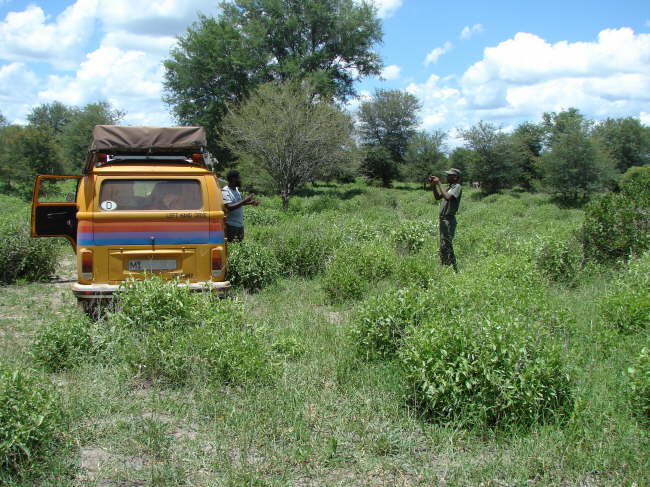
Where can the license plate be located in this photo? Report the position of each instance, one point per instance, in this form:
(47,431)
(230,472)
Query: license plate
(152,264)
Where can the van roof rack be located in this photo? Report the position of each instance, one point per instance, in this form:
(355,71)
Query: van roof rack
(147,144)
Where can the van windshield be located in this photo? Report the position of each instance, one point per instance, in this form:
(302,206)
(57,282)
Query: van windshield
(150,194)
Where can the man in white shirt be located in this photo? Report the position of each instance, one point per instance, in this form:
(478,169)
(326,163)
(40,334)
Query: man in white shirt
(234,203)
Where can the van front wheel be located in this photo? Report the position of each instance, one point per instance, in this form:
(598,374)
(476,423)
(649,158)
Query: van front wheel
(95,308)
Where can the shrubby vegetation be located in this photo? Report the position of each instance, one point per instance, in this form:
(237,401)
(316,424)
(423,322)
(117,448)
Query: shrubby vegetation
(23,257)
(639,377)
(494,371)
(381,321)
(162,332)
(63,343)
(388,353)
(560,260)
(627,304)
(165,332)
(355,267)
(617,225)
(252,265)
(31,418)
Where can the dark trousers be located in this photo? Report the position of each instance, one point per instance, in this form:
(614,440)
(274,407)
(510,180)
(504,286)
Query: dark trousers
(234,234)
(447,232)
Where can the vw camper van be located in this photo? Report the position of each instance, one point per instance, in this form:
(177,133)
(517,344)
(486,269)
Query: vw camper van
(147,203)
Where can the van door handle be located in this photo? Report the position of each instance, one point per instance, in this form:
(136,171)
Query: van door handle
(51,216)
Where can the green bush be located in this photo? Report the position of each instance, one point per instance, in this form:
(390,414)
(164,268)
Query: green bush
(379,325)
(627,304)
(486,372)
(419,269)
(165,333)
(262,215)
(635,175)
(21,256)
(31,418)
(152,304)
(355,267)
(639,380)
(252,265)
(63,343)
(410,236)
(559,260)
(617,225)
(319,204)
(303,250)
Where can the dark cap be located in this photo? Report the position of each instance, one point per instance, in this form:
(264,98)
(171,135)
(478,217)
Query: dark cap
(233,173)
(453,172)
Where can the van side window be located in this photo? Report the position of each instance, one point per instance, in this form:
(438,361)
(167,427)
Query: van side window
(150,194)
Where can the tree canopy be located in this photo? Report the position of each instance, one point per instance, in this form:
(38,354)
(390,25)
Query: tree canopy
(76,135)
(220,60)
(51,116)
(389,120)
(425,156)
(494,164)
(289,131)
(626,140)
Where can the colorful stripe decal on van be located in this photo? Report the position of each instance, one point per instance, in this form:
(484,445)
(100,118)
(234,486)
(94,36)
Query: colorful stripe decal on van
(195,231)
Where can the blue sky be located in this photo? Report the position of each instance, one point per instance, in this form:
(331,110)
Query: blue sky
(500,61)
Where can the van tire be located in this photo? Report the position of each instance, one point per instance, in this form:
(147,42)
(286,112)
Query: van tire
(94,308)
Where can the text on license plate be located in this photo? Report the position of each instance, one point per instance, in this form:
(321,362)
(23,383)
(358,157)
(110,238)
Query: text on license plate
(152,264)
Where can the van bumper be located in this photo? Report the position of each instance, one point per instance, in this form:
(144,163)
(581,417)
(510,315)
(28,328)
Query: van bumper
(104,291)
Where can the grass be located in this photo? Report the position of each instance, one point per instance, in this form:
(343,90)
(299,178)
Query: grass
(329,417)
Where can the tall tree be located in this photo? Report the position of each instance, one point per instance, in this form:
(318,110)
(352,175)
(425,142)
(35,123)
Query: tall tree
(77,133)
(51,116)
(390,120)
(220,60)
(494,165)
(527,142)
(574,167)
(463,159)
(290,132)
(24,153)
(425,155)
(556,124)
(626,140)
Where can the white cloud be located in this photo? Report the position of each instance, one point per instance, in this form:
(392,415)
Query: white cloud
(391,72)
(152,17)
(523,77)
(29,36)
(435,54)
(129,80)
(645,118)
(150,25)
(386,8)
(17,88)
(156,45)
(469,30)
(614,67)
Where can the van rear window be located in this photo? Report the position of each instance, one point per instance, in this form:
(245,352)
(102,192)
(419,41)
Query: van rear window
(150,194)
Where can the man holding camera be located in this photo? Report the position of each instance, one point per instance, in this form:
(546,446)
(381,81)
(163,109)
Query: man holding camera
(450,197)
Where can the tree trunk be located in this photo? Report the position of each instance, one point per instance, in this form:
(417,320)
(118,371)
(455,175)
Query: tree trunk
(285,201)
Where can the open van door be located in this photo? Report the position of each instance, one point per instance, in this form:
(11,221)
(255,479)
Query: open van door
(54,207)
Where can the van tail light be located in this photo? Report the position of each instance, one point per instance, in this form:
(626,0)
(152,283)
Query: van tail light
(87,264)
(217,261)
(197,158)
(101,157)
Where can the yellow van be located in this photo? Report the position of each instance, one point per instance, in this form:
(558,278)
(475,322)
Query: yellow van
(147,203)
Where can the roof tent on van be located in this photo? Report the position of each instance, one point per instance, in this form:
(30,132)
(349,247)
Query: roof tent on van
(148,144)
